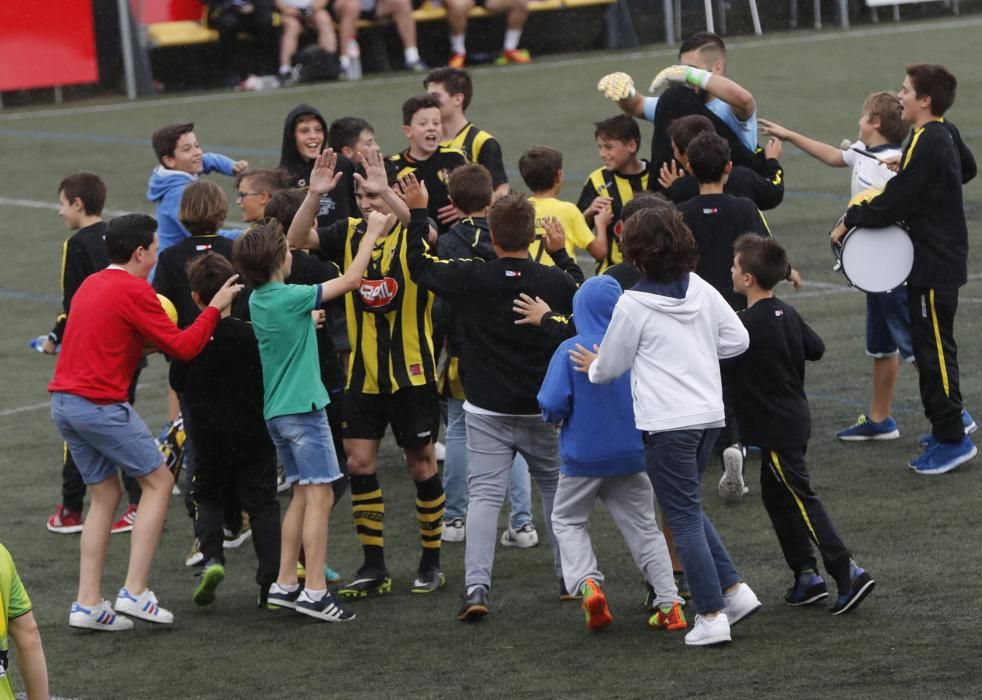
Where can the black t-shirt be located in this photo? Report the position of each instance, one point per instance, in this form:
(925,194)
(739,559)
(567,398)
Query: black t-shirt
(222,391)
(769,393)
(716,221)
(171,277)
(83,254)
(435,172)
(766,189)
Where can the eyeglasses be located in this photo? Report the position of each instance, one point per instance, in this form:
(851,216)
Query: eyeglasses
(242,195)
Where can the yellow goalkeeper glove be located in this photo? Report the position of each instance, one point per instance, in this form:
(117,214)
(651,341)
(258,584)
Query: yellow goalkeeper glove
(617,86)
(696,77)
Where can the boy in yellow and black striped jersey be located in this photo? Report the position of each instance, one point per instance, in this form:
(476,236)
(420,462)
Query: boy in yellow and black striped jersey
(454,89)
(542,169)
(391,374)
(614,185)
(426,158)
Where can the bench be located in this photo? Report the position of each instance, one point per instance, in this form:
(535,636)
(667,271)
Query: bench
(190,32)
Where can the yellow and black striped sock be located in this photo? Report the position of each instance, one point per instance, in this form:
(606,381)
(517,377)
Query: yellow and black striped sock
(369,512)
(430,501)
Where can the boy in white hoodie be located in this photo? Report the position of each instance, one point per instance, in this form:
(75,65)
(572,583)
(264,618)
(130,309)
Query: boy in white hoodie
(670,331)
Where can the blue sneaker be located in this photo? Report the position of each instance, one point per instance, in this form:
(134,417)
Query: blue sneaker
(862,586)
(806,594)
(868,429)
(968,423)
(941,457)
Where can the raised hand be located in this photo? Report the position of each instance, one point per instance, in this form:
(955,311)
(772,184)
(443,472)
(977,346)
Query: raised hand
(696,77)
(224,296)
(669,173)
(555,238)
(323,179)
(617,86)
(774,148)
(773,129)
(375,180)
(414,192)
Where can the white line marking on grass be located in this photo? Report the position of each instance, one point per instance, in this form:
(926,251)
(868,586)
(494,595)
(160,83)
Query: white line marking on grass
(592,59)
(24,409)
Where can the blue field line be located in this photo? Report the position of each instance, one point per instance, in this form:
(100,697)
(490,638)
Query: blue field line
(28,296)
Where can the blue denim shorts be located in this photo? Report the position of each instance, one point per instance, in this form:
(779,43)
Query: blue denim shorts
(304,444)
(102,437)
(888,325)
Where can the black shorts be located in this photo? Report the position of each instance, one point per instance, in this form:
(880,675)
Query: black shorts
(413,413)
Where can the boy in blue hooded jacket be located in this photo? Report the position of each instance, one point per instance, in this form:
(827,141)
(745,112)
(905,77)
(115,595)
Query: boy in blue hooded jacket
(612,469)
(181,162)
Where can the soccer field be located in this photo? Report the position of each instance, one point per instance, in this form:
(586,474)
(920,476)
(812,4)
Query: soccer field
(917,636)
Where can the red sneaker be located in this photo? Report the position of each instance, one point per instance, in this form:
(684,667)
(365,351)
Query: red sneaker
(513,56)
(595,606)
(457,60)
(671,619)
(64,521)
(125,523)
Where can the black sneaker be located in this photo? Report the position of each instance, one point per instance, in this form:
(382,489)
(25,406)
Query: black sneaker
(473,606)
(282,598)
(807,593)
(428,581)
(862,586)
(326,608)
(367,582)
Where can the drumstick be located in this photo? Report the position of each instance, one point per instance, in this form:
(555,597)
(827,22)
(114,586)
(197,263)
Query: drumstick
(866,153)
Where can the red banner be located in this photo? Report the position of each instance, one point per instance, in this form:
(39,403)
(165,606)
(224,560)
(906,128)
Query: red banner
(43,44)
(166,10)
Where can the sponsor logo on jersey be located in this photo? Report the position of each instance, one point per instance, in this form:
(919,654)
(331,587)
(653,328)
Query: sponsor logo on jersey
(513,273)
(377,293)
(415,370)
(713,210)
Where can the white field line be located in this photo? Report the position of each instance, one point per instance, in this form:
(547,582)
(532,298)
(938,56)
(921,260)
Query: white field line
(736,45)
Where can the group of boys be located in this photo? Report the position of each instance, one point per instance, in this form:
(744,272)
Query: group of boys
(436,222)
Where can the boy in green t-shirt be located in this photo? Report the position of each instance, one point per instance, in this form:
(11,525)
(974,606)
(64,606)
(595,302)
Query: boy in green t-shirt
(17,620)
(294,401)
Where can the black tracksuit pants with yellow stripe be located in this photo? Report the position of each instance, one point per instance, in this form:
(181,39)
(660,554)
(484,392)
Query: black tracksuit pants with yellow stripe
(932,332)
(799,517)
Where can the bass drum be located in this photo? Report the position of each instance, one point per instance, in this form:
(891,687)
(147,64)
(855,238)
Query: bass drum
(875,259)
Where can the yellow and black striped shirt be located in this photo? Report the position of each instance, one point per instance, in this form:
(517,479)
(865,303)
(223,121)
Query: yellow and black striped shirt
(480,147)
(435,172)
(389,317)
(621,189)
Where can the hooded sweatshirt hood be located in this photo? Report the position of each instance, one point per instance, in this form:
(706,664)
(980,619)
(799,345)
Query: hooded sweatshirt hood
(598,437)
(290,158)
(593,304)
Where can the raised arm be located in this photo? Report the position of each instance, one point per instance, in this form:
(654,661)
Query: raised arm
(446,277)
(378,224)
(323,179)
(619,87)
(555,244)
(716,84)
(830,155)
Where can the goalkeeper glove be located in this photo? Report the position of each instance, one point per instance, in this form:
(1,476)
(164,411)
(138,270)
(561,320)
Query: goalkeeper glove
(697,77)
(617,86)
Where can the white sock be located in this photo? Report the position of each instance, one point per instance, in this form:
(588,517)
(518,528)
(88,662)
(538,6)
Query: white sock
(345,61)
(512,37)
(316,595)
(457,43)
(412,55)
(285,70)
(289,589)
(471,589)
(352,49)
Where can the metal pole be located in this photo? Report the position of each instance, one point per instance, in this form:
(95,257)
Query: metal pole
(756,17)
(126,43)
(721,6)
(709,16)
(844,14)
(818,13)
(669,10)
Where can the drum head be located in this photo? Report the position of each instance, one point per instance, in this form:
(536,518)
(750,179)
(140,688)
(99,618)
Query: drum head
(877,259)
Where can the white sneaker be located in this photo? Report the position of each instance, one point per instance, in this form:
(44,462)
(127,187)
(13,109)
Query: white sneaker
(453,530)
(143,606)
(708,631)
(731,486)
(98,617)
(195,557)
(235,541)
(741,603)
(523,538)
(440,450)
